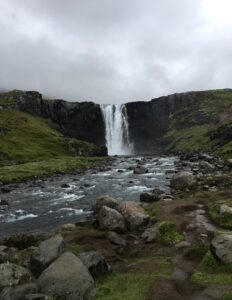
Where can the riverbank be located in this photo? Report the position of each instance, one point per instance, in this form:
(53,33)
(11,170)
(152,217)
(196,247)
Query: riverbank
(166,249)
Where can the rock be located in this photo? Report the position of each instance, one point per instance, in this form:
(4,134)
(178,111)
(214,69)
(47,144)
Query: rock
(3,205)
(18,292)
(46,253)
(108,201)
(37,297)
(111,219)
(65,186)
(116,239)
(12,275)
(67,278)
(95,263)
(207,166)
(140,169)
(183,244)
(151,234)
(225,209)
(149,197)
(68,227)
(221,247)
(229,163)
(134,214)
(182,181)
(206,157)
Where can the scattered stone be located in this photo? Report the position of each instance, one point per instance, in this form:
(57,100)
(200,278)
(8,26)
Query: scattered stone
(151,234)
(65,186)
(206,166)
(139,169)
(111,219)
(149,197)
(12,275)
(225,209)
(37,297)
(183,180)
(95,263)
(4,205)
(221,247)
(67,278)
(134,214)
(46,253)
(18,292)
(106,200)
(183,244)
(116,239)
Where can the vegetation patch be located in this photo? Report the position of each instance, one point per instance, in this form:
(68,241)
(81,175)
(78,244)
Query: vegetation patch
(128,286)
(211,271)
(169,235)
(197,250)
(222,220)
(30,170)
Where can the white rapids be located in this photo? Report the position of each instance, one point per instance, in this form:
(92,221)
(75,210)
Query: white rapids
(116,129)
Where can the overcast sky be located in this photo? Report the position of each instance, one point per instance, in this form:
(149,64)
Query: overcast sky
(112,51)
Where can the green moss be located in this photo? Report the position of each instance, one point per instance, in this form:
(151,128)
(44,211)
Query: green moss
(221,220)
(26,171)
(227,296)
(211,271)
(197,250)
(169,235)
(128,286)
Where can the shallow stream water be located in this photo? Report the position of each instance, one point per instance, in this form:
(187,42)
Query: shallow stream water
(45,205)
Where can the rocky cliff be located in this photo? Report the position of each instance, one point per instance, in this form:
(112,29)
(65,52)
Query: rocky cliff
(178,122)
(82,120)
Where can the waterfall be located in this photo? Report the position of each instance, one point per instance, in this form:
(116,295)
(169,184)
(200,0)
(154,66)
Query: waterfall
(116,130)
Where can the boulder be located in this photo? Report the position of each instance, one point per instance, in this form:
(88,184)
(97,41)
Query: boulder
(182,181)
(229,163)
(151,234)
(46,253)
(95,263)
(149,197)
(116,239)
(18,292)
(67,278)
(206,166)
(68,227)
(12,275)
(106,200)
(110,219)
(134,215)
(221,247)
(3,205)
(139,169)
(225,209)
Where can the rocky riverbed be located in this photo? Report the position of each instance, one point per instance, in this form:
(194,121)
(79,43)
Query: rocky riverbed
(171,239)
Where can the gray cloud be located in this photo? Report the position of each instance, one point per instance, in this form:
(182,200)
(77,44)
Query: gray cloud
(112,51)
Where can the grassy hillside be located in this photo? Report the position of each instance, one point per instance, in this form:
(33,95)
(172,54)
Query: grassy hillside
(25,139)
(206,125)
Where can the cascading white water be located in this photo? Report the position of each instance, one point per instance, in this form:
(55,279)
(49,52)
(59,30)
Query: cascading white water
(116,130)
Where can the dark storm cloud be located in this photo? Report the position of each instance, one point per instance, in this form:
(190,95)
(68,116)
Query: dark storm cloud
(115,51)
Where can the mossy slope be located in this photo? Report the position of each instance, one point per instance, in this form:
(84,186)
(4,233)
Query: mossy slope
(205,125)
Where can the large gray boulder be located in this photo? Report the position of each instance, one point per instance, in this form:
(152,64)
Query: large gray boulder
(18,292)
(106,200)
(139,169)
(46,253)
(221,247)
(151,234)
(134,214)
(110,219)
(12,275)
(68,279)
(95,263)
(225,209)
(182,181)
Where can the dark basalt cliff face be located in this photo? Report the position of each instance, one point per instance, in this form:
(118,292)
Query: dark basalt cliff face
(149,121)
(179,122)
(82,120)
